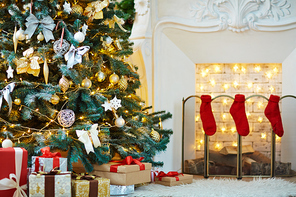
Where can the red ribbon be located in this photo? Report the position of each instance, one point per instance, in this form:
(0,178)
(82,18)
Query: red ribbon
(129,160)
(169,174)
(47,154)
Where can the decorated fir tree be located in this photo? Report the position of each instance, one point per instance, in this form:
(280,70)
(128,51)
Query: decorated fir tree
(65,82)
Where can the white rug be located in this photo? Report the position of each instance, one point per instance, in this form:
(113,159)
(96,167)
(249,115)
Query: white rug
(271,187)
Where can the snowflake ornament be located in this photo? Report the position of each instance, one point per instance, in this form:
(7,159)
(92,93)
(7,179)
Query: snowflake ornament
(115,103)
(67,7)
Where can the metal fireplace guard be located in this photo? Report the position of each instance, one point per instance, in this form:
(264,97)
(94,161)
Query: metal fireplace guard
(239,144)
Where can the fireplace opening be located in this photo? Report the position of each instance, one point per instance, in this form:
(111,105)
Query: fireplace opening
(228,79)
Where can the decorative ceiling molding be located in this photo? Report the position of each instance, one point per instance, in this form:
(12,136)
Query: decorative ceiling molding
(242,15)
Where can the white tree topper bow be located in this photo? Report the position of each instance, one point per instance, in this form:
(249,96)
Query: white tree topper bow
(46,23)
(83,136)
(6,94)
(74,56)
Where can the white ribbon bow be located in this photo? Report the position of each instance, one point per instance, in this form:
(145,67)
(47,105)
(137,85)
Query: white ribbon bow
(6,94)
(13,181)
(83,136)
(74,56)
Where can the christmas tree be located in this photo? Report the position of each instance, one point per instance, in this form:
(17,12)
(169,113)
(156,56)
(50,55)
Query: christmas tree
(66,83)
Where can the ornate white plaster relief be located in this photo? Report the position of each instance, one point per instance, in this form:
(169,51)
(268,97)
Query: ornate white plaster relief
(242,15)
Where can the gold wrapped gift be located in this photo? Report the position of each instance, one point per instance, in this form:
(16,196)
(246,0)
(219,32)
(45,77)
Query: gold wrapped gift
(99,187)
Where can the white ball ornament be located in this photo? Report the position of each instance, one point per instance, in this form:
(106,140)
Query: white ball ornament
(119,122)
(20,34)
(108,40)
(7,143)
(79,36)
(40,37)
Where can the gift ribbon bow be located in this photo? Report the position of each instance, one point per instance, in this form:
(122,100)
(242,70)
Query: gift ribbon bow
(129,160)
(83,176)
(28,63)
(47,154)
(169,174)
(74,56)
(83,136)
(14,179)
(46,23)
(94,9)
(6,94)
(114,20)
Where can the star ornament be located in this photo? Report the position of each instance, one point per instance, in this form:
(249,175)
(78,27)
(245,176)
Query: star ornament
(9,72)
(107,105)
(116,103)
(67,7)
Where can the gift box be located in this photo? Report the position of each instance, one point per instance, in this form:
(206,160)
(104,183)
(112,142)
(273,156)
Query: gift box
(48,185)
(98,187)
(128,172)
(48,161)
(173,179)
(119,190)
(13,173)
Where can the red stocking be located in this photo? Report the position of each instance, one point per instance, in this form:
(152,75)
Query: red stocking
(206,115)
(272,112)
(238,113)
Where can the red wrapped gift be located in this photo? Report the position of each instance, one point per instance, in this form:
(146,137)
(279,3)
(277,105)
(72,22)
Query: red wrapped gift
(13,173)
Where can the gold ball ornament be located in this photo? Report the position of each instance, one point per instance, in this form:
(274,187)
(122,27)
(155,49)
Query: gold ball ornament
(122,83)
(155,135)
(66,117)
(64,84)
(86,83)
(114,78)
(77,9)
(119,122)
(55,99)
(17,101)
(40,37)
(101,76)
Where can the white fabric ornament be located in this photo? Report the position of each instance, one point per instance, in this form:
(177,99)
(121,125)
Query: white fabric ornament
(74,56)
(67,7)
(9,72)
(6,94)
(83,136)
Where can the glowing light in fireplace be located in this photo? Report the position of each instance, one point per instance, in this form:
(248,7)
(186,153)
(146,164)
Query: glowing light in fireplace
(217,68)
(213,82)
(263,135)
(277,138)
(275,70)
(201,141)
(235,84)
(235,68)
(224,101)
(268,75)
(197,118)
(234,143)
(223,129)
(233,129)
(248,114)
(260,105)
(250,85)
(218,146)
(225,86)
(224,116)
(243,69)
(271,89)
(201,87)
(260,119)
(257,68)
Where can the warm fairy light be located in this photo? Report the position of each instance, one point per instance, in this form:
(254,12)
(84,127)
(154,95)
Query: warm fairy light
(224,116)
(260,105)
(51,120)
(235,68)
(260,119)
(212,82)
(5,80)
(263,135)
(201,141)
(201,87)
(81,117)
(268,75)
(233,129)
(224,101)
(93,93)
(223,129)
(29,131)
(218,146)
(258,68)
(198,147)
(248,114)
(275,70)
(234,143)
(249,101)
(225,86)
(250,85)
(203,73)
(217,68)
(12,125)
(65,97)
(212,95)
(202,130)
(258,88)
(37,110)
(197,118)
(243,69)
(235,84)
(4,128)
(277,138)
(271,89)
